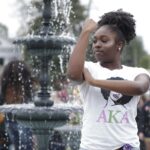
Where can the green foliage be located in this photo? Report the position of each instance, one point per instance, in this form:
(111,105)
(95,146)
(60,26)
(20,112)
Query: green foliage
(145,62)
(133,53)
(77,16)
(89,54)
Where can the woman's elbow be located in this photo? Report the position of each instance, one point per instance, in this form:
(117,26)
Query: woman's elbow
(74,76)
(142,83)
(140,90)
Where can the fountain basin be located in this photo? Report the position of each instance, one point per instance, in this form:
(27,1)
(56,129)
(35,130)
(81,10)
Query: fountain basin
(43,121)
(30,112)
(47,42)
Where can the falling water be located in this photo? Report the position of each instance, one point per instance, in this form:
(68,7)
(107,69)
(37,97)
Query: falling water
(46,122)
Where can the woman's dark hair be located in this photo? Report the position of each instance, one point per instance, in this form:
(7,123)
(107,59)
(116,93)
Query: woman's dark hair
(17,74)
(121,22)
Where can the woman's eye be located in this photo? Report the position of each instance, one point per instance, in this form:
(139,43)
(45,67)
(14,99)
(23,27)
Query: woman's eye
(104,41)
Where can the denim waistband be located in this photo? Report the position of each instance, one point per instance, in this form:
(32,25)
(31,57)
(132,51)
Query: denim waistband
(123,148)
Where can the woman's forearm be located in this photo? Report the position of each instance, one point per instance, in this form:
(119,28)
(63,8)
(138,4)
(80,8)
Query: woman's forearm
(137,87)
(77,58)
(121,86)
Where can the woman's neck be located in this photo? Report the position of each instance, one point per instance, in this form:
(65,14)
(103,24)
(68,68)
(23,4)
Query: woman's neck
(111,66)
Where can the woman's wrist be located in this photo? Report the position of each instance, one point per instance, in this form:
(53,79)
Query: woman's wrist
(92,82)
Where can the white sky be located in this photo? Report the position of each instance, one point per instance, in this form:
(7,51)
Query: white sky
(7,16)
(140,9)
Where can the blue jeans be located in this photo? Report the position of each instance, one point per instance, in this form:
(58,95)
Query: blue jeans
(20,136)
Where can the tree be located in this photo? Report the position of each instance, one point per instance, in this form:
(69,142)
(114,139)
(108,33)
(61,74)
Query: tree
(133,53)
(145,61)
(77,16)
(3,31)
(23,13)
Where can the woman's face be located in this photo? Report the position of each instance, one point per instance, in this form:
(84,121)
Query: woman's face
(12,96)
(105,45)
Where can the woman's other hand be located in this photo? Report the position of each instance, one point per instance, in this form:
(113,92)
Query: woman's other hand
(88,77)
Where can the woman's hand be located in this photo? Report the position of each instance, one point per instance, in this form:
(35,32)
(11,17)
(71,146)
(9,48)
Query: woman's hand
(78,55)
(89,25)
(88,77)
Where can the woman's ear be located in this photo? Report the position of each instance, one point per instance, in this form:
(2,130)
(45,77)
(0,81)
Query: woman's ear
(119,48)
(120,45)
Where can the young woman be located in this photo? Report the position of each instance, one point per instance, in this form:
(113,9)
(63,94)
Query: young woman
(16,83)
(110,90)
(17,87)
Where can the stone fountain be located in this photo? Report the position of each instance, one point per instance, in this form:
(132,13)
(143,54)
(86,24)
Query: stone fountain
(43,115)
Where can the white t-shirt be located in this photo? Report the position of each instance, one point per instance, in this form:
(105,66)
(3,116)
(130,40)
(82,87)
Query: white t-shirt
(109,117)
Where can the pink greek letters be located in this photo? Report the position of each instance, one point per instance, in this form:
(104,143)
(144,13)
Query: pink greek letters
(113,116)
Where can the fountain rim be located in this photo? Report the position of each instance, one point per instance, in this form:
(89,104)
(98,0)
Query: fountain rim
(61,38)
(47,42)
(56,113)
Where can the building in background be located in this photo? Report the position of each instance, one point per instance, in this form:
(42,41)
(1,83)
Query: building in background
(8,51)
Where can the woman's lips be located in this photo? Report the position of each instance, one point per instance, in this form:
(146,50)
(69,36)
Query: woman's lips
(99,52)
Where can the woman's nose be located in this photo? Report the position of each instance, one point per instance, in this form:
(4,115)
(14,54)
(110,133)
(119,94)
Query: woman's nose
(98,44)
